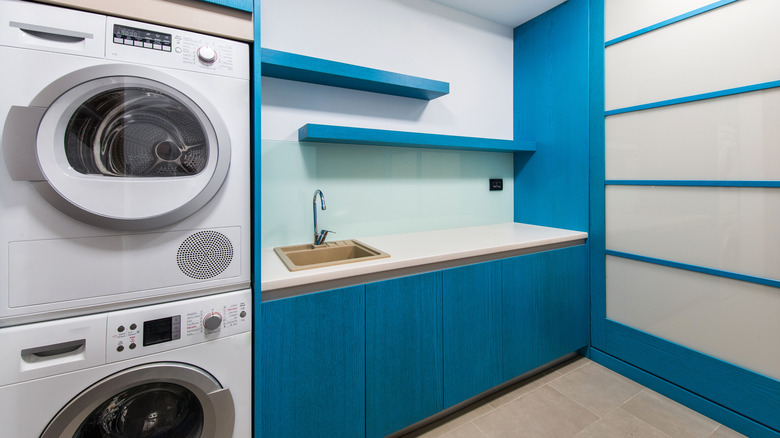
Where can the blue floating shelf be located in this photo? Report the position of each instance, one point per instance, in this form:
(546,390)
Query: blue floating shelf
(346,135)
(284,65)
(242,5)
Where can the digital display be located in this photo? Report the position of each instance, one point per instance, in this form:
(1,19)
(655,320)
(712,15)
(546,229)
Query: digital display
(162,330)
(142,38)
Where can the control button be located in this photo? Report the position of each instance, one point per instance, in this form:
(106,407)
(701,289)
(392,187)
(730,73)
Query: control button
(242,314)
(119,40)
(128,42)
(132,346)
(207,55)
(148,45)
(212,321)
(138,43)
(156,46)
(120,348)
(133,326)
(120,329)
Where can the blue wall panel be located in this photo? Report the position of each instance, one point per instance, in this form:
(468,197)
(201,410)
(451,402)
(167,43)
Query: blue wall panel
(551,100)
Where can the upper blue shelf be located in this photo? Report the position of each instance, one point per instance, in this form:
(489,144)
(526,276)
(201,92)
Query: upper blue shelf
(242,5)
(378,137)
(284,65)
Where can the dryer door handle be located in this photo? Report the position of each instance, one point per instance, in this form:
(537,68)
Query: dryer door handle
(52,33)
(20,143)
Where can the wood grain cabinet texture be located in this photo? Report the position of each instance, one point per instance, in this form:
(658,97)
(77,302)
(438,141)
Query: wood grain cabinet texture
(472,330)
(545,308)
(403,352)
(373,359)
(313,365)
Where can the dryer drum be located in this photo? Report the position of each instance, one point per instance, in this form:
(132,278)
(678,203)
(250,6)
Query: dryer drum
(135,132)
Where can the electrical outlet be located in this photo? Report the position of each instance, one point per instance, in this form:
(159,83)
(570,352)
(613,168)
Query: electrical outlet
(496,184)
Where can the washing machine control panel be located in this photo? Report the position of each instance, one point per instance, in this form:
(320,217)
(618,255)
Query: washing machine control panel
(152,329)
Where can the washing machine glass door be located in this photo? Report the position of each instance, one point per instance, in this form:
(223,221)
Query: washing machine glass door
(161,400)
(120,147)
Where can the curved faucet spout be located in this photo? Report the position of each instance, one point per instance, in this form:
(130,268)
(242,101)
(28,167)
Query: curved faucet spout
(314,209)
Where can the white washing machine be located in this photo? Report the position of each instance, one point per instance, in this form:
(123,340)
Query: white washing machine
(176,370)
(124,172)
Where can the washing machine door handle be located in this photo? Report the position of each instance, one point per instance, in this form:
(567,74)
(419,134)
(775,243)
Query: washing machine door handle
(19,143)
(223,412)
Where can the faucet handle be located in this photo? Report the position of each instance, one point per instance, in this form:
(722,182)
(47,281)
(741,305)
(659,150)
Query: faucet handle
(322,236)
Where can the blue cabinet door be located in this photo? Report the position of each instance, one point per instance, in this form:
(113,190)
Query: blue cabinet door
(313,365)
(545,308)
(403,352)
(472,330)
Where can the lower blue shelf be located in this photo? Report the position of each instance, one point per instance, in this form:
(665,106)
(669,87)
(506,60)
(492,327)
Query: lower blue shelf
(377,137)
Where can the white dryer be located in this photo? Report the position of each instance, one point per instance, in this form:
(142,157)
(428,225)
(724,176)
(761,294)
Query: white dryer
(174,370)
(124,173)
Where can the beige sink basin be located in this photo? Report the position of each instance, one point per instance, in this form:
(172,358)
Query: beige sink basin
(298,257)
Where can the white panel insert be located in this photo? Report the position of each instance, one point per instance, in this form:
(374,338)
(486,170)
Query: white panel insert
(732,320)
(730,229)
(725,48)
(625,16)
(729,138)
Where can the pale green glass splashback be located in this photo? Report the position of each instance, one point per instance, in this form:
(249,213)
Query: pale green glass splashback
(372,190)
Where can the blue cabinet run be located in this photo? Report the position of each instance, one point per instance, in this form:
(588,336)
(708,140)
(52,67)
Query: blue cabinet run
(371,360)
(403,352)
(472,328)
(313,365)
(545,308)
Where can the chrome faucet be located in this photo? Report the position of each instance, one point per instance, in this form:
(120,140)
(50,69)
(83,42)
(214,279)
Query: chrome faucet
(319,236)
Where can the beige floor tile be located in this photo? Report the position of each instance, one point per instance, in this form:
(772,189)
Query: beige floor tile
(724,432)
(669,416)
(572,364)
(522,388)
(597,388)
(620,424)
(469,430)
(544,412)
(452,422)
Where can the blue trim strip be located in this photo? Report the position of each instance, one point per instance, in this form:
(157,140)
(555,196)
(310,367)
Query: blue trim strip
(672,20)
(294,67)
(378,137)
(703,96)
(697,402)
(242,5)
(694,268)
(691,183)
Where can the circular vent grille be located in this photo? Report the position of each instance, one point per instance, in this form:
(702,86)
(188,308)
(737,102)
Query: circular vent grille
(205,254)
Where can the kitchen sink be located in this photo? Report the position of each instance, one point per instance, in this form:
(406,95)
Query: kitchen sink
(299,257)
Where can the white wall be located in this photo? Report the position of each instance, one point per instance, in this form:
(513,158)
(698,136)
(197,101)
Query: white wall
(373,190)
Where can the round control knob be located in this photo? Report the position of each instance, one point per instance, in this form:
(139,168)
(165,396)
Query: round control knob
(207,55)
(212,321)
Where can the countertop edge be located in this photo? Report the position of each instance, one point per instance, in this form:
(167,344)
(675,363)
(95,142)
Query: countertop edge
(367,272)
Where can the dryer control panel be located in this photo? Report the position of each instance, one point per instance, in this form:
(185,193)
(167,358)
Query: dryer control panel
(152,329)
(150,44)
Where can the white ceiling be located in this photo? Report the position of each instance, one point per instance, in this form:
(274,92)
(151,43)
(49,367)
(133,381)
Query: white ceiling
(511,13)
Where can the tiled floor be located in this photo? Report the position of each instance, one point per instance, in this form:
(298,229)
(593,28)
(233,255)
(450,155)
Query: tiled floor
(581,399)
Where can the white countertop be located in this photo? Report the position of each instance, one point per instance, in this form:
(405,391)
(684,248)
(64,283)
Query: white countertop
(412,252)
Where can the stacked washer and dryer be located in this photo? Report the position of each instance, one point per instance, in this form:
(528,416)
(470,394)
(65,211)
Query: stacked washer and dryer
(125,308)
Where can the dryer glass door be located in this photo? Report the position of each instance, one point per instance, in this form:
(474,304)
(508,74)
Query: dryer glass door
(122,147)
(136,132)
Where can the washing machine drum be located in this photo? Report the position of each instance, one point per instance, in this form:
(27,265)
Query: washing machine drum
(159,400)
(123,147)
